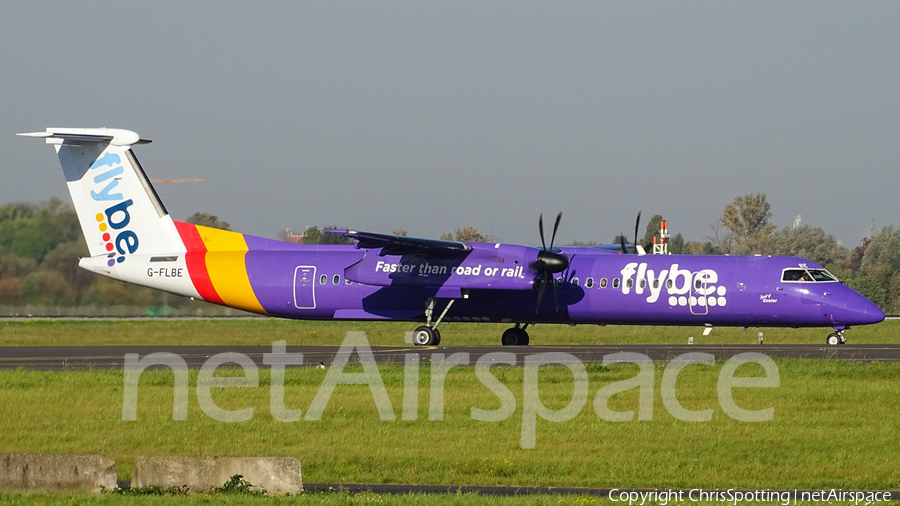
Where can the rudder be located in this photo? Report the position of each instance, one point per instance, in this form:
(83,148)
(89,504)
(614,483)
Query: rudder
(119,211)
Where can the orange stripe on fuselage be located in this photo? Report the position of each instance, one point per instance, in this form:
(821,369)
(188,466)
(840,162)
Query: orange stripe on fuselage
(226,270)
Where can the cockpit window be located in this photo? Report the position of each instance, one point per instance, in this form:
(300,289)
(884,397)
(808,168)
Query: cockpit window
(821,275)
(796,275)
(808,276)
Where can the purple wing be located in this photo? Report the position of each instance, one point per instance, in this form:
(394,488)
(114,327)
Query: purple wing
(402,245)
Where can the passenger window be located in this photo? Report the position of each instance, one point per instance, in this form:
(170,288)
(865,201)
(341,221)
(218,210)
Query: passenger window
(615,282)
(656,283)
(629,283)
(643,283)
(348,282)
(559,282)
(323,279)
(574,281)
(336,279)
(602,282)
(698,283)
(668,283)
(589,283)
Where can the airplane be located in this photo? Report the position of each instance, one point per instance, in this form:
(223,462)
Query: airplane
(131,237)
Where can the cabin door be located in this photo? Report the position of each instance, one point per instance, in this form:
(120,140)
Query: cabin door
(697,301)
(305,287)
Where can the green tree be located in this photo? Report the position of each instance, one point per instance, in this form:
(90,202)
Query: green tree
(692,248)
(747,220)
(63,260)
(105,292)
(32,231)
(884,248)
(208,220)
(676,244)
(466,234)
(47,288)
(871,287)
(806,242)
(651,232)
(315,235)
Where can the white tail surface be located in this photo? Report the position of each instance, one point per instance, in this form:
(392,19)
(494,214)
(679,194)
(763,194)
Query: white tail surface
(119,211)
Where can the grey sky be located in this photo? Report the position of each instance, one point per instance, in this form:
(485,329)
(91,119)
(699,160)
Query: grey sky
(431,116)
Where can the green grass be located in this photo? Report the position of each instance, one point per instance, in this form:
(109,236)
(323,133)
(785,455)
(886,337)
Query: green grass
(326,499)
(333,499)
(263,332)
(835,426)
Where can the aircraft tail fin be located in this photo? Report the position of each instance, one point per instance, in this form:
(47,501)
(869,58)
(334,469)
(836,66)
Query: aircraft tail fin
(119,211)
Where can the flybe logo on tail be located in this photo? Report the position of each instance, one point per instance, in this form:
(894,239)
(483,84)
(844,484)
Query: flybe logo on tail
(114,220)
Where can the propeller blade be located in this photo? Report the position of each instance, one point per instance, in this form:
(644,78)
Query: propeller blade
(540,296)
(541,229)
(555,227)
(622,242)
(555,295)
(637,225)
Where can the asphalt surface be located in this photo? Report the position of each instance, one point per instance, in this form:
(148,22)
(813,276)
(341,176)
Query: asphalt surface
(62,358)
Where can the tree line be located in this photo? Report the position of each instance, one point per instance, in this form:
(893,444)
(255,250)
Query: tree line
(40,245)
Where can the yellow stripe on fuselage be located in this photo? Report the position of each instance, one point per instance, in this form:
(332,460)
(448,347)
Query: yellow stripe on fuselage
(227,269)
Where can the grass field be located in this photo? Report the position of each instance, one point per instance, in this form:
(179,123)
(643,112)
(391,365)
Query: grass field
(343,499)
(325,499)
(264,331)
(835,425)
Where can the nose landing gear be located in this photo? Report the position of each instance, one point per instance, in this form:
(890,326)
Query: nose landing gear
(836,338)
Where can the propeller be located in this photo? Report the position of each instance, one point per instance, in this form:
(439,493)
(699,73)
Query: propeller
(637,226)
(548,263)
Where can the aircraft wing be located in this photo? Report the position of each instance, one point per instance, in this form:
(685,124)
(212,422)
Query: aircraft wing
(402,245)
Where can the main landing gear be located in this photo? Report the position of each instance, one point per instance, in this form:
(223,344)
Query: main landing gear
(515,336)
(428,334)
(836,338)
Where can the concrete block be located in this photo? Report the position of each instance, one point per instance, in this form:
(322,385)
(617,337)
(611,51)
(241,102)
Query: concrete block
(275,475)
(48,472)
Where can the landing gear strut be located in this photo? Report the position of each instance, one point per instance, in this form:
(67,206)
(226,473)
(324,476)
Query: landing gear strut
(515,336)
(428,334)
(836,338)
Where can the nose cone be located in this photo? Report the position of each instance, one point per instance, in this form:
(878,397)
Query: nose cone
(851,308)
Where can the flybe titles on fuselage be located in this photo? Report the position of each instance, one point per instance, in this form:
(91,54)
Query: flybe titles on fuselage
(112,223)
(682,286)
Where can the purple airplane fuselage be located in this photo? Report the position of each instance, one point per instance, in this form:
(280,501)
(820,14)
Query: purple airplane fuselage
(493,283)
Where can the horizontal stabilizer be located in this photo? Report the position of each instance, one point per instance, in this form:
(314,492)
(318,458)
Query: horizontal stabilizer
(115,136)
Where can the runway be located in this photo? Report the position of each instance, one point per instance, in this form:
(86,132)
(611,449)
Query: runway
(64,358)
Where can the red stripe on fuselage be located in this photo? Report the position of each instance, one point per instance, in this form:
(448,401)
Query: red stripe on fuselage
(195,258)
